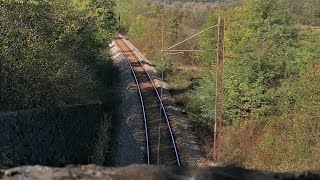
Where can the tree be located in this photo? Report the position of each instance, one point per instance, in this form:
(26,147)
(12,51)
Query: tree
(260,44)
(260,53)
(47,49)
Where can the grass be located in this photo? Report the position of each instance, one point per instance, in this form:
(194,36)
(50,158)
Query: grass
(101,144)
(311,28)
(182,79)
(283,143)
(109,78)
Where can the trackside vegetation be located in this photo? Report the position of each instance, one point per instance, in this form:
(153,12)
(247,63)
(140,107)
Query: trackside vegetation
(51,51)
(271,86)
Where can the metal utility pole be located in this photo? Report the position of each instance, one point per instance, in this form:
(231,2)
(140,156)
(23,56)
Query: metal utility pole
(162,46)
(161,90)
(219,91)
(119,25)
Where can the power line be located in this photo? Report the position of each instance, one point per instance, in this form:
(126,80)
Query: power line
(189,50)
(192,36)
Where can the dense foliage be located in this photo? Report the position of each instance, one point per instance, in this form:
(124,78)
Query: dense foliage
(48,49)
(306,11)
(271,90)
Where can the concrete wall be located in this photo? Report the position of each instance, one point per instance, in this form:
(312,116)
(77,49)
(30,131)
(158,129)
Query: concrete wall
(54,136)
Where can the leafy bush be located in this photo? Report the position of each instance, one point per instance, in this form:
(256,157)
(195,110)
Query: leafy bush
(164,65)
(48,50)
(208,42)
(286,139)
(202,100)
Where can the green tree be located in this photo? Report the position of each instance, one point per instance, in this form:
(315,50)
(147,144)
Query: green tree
(208,42)
(259,53)
(260,44)
(46,48)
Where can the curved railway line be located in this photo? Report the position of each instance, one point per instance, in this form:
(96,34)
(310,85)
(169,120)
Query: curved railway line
(154,113)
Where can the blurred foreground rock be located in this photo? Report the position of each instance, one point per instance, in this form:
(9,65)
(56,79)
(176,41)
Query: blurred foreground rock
(141,172)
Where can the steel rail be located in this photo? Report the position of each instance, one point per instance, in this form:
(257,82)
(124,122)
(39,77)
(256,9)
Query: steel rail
(141,100)
(162,106)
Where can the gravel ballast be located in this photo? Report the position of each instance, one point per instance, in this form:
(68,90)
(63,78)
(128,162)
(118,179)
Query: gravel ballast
(187,143)
(130,138)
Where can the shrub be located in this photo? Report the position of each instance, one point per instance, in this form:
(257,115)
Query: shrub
(48,49)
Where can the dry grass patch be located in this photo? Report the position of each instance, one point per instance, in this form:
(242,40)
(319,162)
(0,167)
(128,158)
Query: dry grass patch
(101,144)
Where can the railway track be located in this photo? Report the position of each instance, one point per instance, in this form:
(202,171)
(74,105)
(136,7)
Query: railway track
(160,142)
